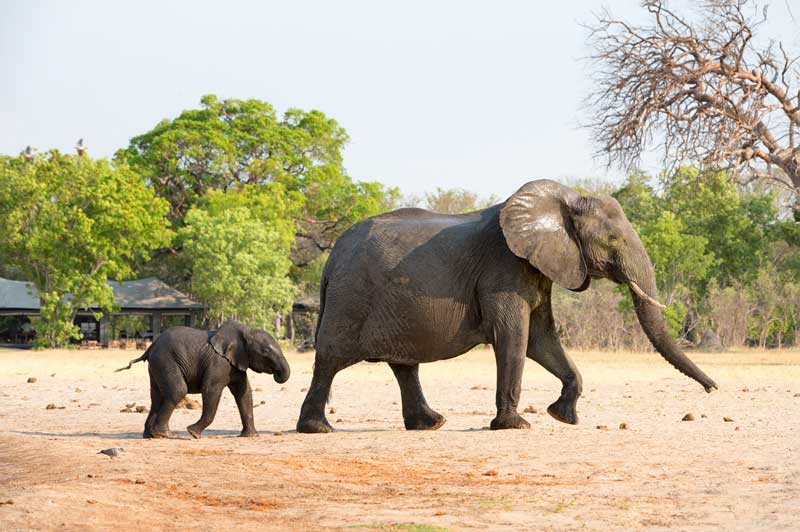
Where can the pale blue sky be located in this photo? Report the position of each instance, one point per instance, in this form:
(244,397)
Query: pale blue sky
(479,95)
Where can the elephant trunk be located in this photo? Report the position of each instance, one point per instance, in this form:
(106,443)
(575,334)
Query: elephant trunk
(281,369)
(644,293)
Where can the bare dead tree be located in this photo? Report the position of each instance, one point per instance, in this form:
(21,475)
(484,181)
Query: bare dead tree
(702,86)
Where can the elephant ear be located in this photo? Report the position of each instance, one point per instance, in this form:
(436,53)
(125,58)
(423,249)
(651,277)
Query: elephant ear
(230,341)
(537,225)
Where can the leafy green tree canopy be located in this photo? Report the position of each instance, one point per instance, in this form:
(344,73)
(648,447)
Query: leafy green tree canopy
(71,223)
(238,244)
(228,143)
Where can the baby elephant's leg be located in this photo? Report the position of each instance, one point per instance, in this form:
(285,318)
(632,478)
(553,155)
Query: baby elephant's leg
(211,397)
(240,388)
(155,405)
(171,392)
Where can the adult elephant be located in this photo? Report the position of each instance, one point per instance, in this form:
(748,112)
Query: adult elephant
(412,286)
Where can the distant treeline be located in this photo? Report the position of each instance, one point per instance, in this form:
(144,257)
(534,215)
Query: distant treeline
(239,207)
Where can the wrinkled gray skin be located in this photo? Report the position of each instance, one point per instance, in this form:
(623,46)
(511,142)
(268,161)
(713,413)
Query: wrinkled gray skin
(184,360)
(413,286)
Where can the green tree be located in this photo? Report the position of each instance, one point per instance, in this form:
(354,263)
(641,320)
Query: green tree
(70,223)
(736,224)
(228,143)
(456,201)
(238,245)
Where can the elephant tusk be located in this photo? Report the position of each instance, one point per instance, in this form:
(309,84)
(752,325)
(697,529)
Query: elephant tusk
(641,293)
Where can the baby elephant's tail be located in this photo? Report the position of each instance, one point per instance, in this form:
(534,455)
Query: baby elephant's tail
(135,360)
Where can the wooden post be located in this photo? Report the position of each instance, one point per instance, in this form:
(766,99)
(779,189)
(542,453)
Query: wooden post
(105,330)
(155,324)
(290,326)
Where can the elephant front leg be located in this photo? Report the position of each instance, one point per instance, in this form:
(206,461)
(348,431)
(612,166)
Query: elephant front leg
(244,402)
(545,348)
(509,348)
(417,415)
(210,402)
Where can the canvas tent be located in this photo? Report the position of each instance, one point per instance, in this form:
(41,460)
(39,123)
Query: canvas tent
(144,297)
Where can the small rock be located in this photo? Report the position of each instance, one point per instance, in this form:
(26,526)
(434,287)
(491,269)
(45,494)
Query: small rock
(112,451)
(78,390)
(52,374)
(339,420)
(93,404)
(189,404)
(139,481)
(303,390)
(258,390)
(278,434)
(737,428)
(141,409)
(332,410)
(703,415)
(530,410)
(283,389)
(623,426)
(91,501)
(31,380)
(7,501)
(688,417)
(490,473)
(745,389)
(51,406)
(602,427)
(130,405)
(796,395)
(727,419)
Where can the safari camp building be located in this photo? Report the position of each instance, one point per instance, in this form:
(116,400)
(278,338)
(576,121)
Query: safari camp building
(148,297)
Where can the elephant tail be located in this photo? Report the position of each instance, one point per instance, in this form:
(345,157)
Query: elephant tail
(135,360)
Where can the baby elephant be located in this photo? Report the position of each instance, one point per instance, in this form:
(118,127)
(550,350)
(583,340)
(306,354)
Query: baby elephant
(185,360)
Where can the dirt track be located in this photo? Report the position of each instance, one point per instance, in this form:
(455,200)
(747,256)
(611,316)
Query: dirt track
(661,473)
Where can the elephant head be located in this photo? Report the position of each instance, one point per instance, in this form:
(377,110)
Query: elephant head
(250,348)
(571,238)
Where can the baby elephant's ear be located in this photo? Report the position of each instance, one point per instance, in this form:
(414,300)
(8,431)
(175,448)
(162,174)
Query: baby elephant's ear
(229,341)
(537,225)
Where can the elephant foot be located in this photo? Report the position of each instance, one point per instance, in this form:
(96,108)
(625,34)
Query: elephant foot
(160,435)
(426,419)
(147,435)
(564,411)
(509,420)
(194,431)
(314,426)
(248,434)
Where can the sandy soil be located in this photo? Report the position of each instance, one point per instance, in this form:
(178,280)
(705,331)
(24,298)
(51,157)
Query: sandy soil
(660,474)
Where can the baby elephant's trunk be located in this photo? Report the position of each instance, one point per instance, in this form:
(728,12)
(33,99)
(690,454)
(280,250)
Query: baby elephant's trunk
(282,371)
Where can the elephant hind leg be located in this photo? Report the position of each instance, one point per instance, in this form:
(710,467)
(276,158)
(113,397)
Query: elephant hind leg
(312,413)
(170,396)
(417,415)
(155,405)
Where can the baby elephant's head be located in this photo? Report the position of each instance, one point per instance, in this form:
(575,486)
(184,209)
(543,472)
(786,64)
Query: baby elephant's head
(251,348)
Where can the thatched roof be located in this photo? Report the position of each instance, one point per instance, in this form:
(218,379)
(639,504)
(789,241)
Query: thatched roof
(306,304)
(20,297)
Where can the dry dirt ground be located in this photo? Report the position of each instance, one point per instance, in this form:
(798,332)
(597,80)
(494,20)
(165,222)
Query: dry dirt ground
(659,474)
